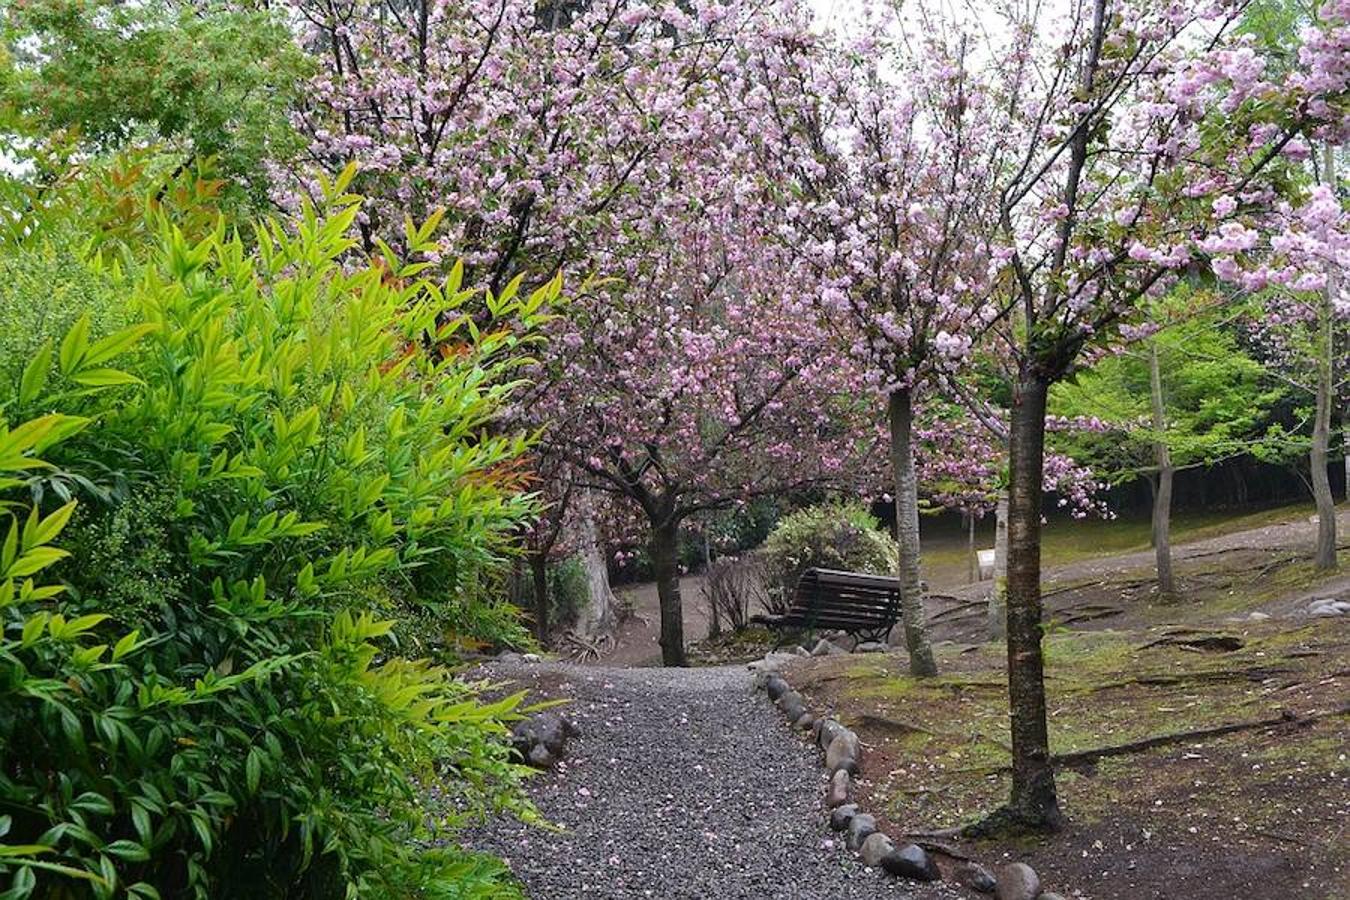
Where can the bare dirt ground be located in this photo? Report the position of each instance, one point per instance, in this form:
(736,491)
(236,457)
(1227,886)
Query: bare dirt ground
(637,641)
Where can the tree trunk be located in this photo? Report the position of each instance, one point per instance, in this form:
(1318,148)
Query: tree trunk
(1326,504)
(1325,558)
(998,593)
(1034,802)
(664,548)
(1162,497)
(539,571)
(900,410)
(597,615)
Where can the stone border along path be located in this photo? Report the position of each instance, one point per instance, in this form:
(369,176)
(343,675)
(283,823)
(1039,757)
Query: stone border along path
(843,762)
(681,784)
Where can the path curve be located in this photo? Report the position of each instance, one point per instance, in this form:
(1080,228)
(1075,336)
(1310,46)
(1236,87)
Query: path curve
(683,785)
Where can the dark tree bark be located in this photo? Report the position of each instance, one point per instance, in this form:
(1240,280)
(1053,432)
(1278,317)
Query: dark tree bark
(1162,495)
(539,571)
(665,554)
(900,409)
(1034,802)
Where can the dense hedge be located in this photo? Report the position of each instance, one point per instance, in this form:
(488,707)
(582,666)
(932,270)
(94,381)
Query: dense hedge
(252,482)
(830,536)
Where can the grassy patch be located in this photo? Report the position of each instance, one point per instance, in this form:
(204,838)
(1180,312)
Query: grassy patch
(944,741)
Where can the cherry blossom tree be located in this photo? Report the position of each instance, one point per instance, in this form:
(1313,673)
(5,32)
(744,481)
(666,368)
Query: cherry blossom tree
(1291,257)
(697,383)
(1124,124)
(885,152)
(546,130)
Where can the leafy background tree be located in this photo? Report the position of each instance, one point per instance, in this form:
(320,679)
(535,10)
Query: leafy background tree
(1186,396)
(215,80)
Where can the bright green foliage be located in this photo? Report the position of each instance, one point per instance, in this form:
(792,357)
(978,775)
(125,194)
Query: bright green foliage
(1218,401)
(841,535)
(285,484)
(214,80)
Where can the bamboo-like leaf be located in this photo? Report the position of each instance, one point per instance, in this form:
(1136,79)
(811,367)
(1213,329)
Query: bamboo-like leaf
(104,378)
(35,373)
(75,345)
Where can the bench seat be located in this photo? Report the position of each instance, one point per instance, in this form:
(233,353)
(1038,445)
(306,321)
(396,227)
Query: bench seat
(864,606)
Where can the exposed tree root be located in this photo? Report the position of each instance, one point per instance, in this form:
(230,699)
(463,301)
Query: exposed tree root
(1221,643)
(942,847)
(1091,616)
(958,611)
(1257,673)
(1285,719)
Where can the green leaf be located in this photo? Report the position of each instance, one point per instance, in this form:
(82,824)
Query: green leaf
(253,770)
(75,345)
(125,645)
(35,560)
(45,532)
(105,378)
(32,629)
(35,373)
(129,850)
(116,344)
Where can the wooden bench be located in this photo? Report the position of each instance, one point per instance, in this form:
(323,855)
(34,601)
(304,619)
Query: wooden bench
(865,606)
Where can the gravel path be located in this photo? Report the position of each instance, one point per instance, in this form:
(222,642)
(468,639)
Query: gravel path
(683,785)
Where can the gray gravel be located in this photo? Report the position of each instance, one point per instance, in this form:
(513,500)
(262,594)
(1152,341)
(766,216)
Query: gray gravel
(682,784)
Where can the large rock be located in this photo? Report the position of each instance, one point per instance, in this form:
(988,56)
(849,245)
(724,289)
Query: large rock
(837,793)
(827,731)
(776,687)
(840,816)
(876,848)
(870,647)
(1328,607)
(539,757)
(1017,881)
(827,648)
(860,828)
(804,721)
(540,739)
(911,861)
(792,705)
(976,877)
(843,753)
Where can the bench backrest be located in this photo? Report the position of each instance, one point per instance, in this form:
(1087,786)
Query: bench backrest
(833,598)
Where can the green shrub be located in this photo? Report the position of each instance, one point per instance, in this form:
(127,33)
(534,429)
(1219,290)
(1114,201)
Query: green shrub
(569,589)
(838,535)
(289,485)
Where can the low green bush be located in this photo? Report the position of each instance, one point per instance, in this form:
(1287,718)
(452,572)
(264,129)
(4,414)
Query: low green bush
(278,485)
(840,535)
(569,589)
